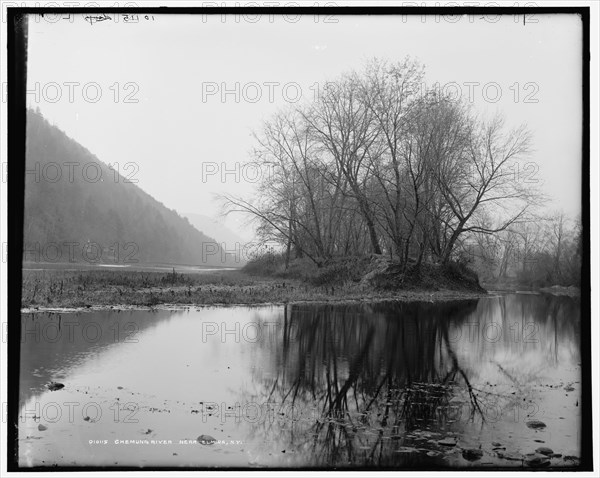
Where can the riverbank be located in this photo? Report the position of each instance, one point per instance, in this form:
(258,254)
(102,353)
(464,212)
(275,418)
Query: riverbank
(558,290)
(61,289)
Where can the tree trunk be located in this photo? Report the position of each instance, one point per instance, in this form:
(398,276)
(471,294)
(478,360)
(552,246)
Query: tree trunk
(450,245)
(370,224)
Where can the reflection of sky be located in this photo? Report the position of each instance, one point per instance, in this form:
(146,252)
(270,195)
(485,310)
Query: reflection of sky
(171,359)
(54,344)
(512,333)
(170,367)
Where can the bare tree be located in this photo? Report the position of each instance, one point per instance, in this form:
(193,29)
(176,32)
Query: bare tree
(345,127)
(375,164)
(391,93)
(480,179)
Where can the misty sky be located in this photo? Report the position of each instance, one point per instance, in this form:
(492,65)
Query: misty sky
(177,66)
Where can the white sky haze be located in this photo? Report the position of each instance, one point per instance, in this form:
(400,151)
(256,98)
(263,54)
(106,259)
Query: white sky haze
(177,67)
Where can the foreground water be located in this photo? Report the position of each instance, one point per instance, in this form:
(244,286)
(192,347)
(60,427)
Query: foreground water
(422,385)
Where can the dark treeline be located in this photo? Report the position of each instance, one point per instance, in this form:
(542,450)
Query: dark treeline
(538,253)
(380,164)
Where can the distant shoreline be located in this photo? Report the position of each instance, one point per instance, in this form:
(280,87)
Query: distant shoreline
(131,267)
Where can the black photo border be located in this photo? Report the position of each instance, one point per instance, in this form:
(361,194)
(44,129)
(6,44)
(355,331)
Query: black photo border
(16,127)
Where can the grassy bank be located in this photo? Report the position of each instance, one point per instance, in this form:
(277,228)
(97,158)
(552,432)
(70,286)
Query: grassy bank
(373,271)
(91,288)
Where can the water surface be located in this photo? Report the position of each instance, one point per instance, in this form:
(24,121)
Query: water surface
(380,385)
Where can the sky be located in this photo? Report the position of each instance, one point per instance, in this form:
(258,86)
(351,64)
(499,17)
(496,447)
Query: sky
(174,99)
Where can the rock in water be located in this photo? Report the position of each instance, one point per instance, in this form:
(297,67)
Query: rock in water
(472,454)
(536,460)
(449,441)
(53,386)
(510,456)
(406,450)
(544,450)
(536,424)
(206,440)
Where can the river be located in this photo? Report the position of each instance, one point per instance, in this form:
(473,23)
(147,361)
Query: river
(480,383)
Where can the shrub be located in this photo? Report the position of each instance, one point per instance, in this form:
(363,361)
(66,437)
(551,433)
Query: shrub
(340,271)
(172,278)
(266,264)
(301,269)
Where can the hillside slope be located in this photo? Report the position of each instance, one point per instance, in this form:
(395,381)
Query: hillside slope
(227,239)
(79,209)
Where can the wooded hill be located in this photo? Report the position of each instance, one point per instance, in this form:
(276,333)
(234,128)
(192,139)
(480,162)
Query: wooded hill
(78,209)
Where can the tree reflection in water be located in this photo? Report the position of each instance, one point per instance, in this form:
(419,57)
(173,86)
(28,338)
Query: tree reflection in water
(352,382)
(379,385)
